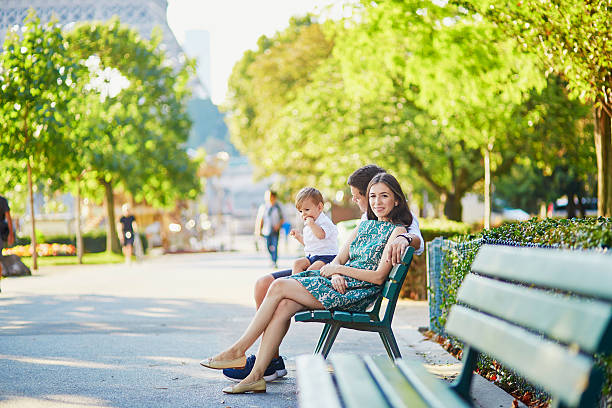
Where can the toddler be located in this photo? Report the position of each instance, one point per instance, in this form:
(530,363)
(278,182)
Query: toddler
(320,236)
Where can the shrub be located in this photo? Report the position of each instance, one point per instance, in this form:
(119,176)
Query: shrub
(415,285)
(576,234)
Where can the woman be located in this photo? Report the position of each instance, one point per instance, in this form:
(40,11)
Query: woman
(351,281)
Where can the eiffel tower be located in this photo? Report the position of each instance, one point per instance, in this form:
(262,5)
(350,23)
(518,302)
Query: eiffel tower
(143,15)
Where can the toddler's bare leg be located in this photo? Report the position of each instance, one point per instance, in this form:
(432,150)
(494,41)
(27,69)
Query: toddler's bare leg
(316,266)
(300,265)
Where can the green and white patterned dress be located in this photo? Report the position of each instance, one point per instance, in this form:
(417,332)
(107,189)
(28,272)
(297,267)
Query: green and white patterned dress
(364,253)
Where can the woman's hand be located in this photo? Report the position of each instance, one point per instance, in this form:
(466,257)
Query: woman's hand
(339,283)
(329,269)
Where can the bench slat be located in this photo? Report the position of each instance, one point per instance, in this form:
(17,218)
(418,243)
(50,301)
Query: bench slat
(394,385)
(587,274)
(315,383)
(557,369)
(566,319)
(434,391)
(355,383)
(313,316)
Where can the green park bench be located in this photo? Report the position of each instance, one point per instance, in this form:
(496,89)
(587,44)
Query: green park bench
(364,321)
(543,313)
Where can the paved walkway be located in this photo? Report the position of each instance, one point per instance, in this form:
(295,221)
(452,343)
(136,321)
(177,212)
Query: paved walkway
(117,336)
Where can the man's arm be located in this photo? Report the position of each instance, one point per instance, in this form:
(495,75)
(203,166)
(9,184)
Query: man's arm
(411,238)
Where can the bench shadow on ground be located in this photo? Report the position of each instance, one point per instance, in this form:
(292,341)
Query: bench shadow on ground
(94,350)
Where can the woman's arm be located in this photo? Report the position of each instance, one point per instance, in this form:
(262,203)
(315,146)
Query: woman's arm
(377,276)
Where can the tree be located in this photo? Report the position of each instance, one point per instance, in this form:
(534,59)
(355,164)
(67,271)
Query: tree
(140,126)
(423,92)
(574,39)
(459,70)
(559,158)
(265,80)
(37,77)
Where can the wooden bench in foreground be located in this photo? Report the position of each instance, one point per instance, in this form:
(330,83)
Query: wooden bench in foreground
(543,313)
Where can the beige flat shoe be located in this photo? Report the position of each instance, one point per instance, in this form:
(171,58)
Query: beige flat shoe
(239,362)
(254,387)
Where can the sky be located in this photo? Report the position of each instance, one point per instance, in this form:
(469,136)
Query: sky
(234,27)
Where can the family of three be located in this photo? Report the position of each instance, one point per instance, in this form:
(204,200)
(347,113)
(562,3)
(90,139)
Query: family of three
(351,281)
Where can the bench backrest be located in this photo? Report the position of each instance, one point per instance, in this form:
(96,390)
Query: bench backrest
(392,288)
(542,313)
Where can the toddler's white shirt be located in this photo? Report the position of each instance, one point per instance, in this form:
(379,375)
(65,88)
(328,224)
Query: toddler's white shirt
(325,246)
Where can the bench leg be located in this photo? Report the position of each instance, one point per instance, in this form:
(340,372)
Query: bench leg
(463,383)
(322,338)
(388,340)
(331,337)
(386,344)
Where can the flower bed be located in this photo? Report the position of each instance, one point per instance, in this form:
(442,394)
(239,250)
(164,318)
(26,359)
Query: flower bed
(41,250)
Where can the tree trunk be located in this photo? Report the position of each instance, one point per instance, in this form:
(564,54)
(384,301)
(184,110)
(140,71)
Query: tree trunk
(579,205)
(452,207)
(571,206)
(112,240)
(487,188)
(33,232)
(79,236)
(603,147)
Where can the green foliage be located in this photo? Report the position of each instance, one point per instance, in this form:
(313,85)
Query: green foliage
(263,82)
(559,155)
(575,234)
(37,78)
(441,227)
(418,88)
(415,285)
(133,138)
(572,38)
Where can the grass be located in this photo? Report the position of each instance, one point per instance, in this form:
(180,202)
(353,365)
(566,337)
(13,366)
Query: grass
(88,259)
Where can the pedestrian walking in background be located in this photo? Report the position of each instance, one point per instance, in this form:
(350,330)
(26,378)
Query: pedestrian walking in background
(269,222)
(7,234)
(128,226)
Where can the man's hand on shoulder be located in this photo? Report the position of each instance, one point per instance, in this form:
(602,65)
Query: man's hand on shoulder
(397,248)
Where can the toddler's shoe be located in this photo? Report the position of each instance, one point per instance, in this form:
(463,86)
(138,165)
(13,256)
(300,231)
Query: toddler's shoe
(275,369)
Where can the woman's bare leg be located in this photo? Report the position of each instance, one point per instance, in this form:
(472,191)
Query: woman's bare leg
(272,337)
(279,290)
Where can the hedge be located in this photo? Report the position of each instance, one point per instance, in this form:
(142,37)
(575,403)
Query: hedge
(415,285)
(575,234)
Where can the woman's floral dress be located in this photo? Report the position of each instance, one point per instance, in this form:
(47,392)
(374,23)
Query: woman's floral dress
(364,253)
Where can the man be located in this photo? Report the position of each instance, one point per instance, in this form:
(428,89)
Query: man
(270,222)
(7,235)
(358,182)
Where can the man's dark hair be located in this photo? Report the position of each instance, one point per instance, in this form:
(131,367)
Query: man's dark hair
(362,176)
